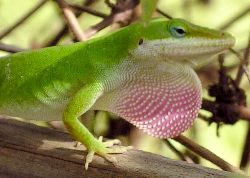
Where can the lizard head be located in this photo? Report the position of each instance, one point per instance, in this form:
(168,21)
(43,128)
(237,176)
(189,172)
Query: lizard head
(177,39)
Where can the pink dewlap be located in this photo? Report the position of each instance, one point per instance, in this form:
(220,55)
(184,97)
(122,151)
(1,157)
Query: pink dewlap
(161,109)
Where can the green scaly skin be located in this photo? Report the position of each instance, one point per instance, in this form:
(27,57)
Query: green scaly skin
(63,82)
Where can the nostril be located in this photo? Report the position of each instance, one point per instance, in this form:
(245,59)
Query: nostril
(140,41)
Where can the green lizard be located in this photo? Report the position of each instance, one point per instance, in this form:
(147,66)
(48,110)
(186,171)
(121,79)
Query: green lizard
(142,73)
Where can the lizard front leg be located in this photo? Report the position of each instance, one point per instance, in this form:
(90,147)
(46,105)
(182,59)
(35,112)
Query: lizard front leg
(80,103)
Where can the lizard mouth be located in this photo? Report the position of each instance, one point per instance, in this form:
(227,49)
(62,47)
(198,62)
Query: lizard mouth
(196,47)
(183,49)
(198,52)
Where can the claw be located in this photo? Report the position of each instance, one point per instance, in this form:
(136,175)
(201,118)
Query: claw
(100,138)
(105,149)
(119,149)
(111,143)
(89,158)
(109,158)
(77,144)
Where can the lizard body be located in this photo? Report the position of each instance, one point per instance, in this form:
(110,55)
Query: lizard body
(143,73)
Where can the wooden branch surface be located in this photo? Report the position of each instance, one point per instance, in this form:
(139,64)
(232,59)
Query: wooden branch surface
(27,150)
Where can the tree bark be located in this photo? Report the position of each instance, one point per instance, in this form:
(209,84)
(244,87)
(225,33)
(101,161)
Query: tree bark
(27,150)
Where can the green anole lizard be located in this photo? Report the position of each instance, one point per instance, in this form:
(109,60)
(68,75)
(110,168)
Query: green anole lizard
(142,73)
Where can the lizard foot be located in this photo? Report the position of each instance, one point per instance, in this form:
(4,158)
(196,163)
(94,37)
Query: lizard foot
(107,147)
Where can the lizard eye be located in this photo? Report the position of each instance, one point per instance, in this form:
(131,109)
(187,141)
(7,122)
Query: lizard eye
(177,32)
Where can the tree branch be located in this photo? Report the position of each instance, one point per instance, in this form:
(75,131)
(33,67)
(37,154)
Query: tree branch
(22,19)
(10,48)
(163,13)
(235,18)
(119,13)
(88,10)
(244,64)
(64,29)
(72,21)
(245,158)
(205,153)
(42,152)
(178,153)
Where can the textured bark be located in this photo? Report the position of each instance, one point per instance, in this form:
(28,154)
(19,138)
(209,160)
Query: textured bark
(27,150)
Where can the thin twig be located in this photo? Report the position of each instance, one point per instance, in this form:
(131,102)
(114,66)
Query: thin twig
(71,20)
(98,27)
(163,13)
(245,158)
(234,19)
(247,72)
(52,42)
(117,15)
(237,53)
(244,112)
(245,63)
(203,117)
(22,19)
(221,61)
(205,153)
(114,17)
(88,2)
(109,4)
(178,153)
(10,48)
(88,10)
(64,30)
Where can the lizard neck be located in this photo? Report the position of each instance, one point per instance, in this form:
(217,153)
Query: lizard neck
(162,98)
(132,70)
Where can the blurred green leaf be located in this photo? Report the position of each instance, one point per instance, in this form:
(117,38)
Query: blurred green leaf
(148,8)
